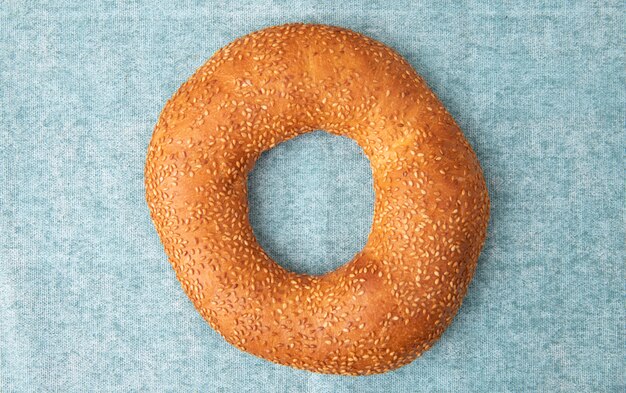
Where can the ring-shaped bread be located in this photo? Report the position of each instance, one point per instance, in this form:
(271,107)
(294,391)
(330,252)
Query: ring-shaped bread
(395,298)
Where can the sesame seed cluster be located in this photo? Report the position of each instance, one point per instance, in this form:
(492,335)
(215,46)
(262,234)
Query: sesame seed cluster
(391,302)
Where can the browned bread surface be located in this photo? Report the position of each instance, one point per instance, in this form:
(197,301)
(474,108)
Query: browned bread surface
(395,298)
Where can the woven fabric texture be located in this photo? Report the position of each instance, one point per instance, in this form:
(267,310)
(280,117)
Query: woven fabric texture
(88,301)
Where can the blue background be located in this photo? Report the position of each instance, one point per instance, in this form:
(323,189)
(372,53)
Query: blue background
(89,302)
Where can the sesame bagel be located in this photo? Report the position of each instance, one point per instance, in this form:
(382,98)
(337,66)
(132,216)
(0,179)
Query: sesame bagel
(394,299)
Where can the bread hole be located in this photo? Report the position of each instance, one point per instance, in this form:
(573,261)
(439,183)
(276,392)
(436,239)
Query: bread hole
(311,202)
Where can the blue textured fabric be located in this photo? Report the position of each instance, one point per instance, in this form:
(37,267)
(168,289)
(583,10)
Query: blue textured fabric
(88,301)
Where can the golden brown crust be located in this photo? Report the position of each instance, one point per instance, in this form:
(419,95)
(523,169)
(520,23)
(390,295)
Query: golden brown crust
(395,298)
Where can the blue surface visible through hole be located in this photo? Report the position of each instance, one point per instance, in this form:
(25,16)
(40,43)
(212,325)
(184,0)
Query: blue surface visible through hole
(311,202)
